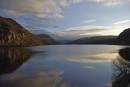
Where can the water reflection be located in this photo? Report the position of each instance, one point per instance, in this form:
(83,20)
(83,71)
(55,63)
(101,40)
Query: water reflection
(121,75)
(11,58)
(64,67)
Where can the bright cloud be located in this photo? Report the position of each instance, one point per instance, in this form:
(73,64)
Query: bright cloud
(39,8)
(82,30)
(109,2)
(93,30)
(122,22)
(89,21)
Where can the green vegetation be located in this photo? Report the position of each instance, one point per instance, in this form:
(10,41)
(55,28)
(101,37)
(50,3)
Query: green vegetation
(3,26)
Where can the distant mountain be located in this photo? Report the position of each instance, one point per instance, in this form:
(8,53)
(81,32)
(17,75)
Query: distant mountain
(56,36)
(95,40)
(13,34)
(124,37)
(49,38)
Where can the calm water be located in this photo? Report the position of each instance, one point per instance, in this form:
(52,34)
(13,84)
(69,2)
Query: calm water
(65,66)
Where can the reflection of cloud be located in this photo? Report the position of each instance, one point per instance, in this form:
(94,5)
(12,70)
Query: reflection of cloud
(109,85)
(89,67)
(88,60)
(106,55)
(53,74)
(51,78)
(97,58)
(47,78)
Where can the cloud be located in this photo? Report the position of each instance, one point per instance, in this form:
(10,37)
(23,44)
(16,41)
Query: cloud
(82,30)
(122,22)
(40,8)
(109,2)
(92,30)
(85,30)
(89,21)
(52,9)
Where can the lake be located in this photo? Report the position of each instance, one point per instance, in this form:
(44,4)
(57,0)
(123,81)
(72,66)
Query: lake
(65,66)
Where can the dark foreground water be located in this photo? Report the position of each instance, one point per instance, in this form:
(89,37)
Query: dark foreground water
(65,66)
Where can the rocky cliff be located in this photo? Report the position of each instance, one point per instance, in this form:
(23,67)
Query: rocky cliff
(13,34)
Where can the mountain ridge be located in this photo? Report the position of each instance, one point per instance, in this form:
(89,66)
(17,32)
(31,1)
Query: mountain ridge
(95,40)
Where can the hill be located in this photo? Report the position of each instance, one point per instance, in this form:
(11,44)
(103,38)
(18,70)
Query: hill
(48,38)
(95,40)
(124,37)
(13,34)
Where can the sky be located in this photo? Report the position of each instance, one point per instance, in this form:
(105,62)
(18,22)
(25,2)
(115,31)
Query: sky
(70,17)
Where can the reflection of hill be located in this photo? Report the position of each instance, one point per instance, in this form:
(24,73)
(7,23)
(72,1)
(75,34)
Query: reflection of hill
(125,53)
(11,58)
(121,75)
